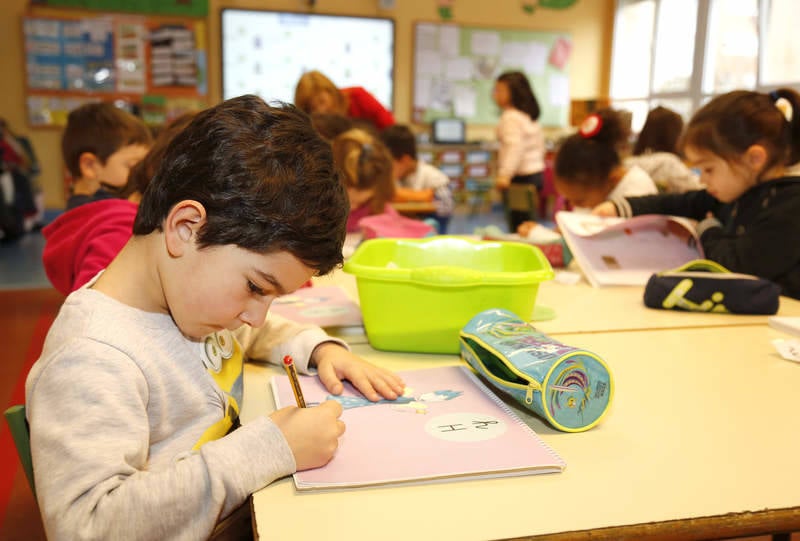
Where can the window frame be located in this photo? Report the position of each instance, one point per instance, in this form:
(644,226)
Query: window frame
(695,93)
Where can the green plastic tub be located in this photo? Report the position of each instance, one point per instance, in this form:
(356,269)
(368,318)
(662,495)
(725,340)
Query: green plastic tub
(417,294)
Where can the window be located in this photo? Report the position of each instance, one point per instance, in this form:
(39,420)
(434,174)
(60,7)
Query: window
(731,57)
(680,53)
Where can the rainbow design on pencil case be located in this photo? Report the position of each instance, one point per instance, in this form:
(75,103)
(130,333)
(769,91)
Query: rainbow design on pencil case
(569,387)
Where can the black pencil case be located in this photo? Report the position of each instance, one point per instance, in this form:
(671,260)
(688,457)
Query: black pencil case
(706,286)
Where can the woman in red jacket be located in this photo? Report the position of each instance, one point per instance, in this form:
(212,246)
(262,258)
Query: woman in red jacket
(315,93)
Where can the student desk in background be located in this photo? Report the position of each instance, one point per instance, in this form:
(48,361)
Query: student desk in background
(702,440)
(413,209)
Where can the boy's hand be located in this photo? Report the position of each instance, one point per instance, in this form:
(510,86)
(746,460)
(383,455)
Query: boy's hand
(606,208)
(334,363)
(312,433)
(502,182)
(525,227)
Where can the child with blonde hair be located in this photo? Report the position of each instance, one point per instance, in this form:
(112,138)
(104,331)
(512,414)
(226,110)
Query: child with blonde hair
(366,172)
(316,93)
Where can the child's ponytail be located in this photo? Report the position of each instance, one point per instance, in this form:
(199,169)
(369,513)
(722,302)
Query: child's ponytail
(365,164)
(787,102)
(587,157)
(731,123)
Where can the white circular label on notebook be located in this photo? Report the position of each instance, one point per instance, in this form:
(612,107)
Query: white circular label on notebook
(465,427)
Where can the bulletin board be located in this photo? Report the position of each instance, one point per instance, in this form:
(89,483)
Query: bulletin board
(455,68)
(150,65)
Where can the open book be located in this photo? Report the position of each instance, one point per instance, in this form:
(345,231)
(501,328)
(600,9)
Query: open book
(626,251)
(326,306)
(448,425)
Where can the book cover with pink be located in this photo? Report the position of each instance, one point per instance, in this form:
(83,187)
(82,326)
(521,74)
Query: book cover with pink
(326,306)
(620,251)
(447,425)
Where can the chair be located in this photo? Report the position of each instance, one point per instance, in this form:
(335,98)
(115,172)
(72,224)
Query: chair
(15,417)
(521,199)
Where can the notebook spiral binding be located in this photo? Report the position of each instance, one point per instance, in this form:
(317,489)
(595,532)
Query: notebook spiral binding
(497,400)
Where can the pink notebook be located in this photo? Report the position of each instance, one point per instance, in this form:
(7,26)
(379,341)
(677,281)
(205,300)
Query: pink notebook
(449,425)
(326,306)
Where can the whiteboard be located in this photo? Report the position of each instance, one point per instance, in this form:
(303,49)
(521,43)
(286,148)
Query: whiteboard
(455,68)
(266,52)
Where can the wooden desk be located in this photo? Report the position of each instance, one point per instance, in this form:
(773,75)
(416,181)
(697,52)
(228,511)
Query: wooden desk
(581,308)
(414,208)
(701,441)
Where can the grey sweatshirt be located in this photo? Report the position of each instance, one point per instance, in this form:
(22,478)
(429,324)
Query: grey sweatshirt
(129,419)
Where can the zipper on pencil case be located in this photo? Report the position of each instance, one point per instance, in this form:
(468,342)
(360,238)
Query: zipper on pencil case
(530,387)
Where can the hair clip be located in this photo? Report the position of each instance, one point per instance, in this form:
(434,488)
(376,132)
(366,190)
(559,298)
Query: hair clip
(590,126)
(366,149)
(785,107)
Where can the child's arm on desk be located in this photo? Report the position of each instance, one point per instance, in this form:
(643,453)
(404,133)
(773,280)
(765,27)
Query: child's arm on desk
(312,433)
(311,347)
(335,363)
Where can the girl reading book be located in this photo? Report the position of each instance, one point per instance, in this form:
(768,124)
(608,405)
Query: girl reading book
(749,211)
(588,169)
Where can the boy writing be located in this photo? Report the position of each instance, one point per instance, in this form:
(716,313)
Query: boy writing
(133,405)
(417,180)
(100,144)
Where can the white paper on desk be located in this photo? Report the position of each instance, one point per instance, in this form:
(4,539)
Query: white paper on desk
(786,324)
(788,349)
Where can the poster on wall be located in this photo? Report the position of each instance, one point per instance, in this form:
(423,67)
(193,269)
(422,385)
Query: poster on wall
(71,61)
(455,68)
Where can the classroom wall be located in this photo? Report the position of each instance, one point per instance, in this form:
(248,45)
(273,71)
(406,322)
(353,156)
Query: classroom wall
(590,23)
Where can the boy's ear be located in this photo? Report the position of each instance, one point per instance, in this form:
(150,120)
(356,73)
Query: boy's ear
(181,224)
(756,157)
(87,163)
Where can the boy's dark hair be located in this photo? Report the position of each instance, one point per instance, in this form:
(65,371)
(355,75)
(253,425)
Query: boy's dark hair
(400,141)
(100,129)
(142,173)
(587,159)
(522,96)
(660,133)
(729,124)
(264,176)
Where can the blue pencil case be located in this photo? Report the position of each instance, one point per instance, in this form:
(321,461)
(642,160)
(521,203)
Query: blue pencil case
(570,388)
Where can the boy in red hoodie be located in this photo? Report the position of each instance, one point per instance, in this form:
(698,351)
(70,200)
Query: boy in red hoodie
(101,145)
